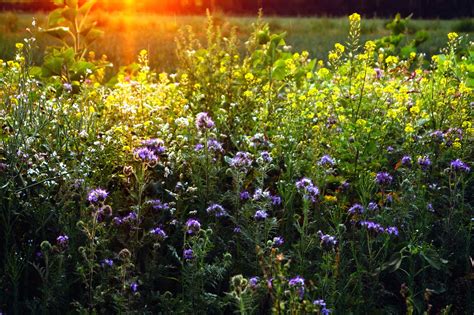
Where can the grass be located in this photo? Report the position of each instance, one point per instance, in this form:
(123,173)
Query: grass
(127,34)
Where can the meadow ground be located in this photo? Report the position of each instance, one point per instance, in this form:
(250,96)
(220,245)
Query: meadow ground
(128,33)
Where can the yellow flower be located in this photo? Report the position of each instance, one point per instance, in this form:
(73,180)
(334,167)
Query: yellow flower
(19,46)
(370,45)
(409,128)
(415,109)
(330,198)
(361,122)
(452,36)
(340,48)
(354,18)
(249,76)
(390,60)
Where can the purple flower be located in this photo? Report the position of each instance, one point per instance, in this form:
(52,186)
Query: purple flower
(383,179)
(319,303)
(97,195)
(107,262)
(429,207)
(260,194)
(392,230)
(198,147)
(326,160)
(390,149)
(188,254)
(265,156)
(193,226)
(156,204)
(298,283)
(327,240)
(306,186)
(260,215)
(278,241)
(424,162)
(117,221)
(372,206)
(145,155)
(67,87)
(157,146)
(253,282)
(216,210)
(132,216)
(62,240)
(378,73)
(134,287)
(356,209)
(276,200)
(159,233)
(237,229)
(241,160)
(406,161)
(214,145)
(244,195)
(459,166)
(372,226)
(203,121)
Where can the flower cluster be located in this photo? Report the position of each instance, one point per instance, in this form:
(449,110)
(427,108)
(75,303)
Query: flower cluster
(193,226)
(216,210)
(298,284)
(327,241)
(377,228)
(309,190)
(204,121)
(241,160)
(97,196)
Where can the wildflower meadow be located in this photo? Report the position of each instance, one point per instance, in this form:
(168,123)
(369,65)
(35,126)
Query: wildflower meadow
(254,179)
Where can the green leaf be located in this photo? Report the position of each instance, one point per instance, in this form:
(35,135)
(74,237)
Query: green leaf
(393,264)
(58,32)
(279,70)
(433,258)
(87,6)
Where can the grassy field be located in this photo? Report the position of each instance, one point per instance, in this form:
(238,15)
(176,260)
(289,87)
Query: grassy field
(126,34)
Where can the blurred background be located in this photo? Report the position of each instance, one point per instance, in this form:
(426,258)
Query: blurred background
(312,25)
(370,8)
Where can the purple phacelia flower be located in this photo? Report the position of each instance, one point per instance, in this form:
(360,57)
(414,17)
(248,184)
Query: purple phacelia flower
(459,166)
(372,206)
(297,283)
(107,262)
(237,229)
(244,195)
(198,147)
(424,162)
(310,191)
(62,240)
(390,149)
(278,241)
(253,282)
(97,195)
(260,215)
(241,160)
(155,145)
(378,73)
(430,208)
(406,161)
(356,209)
(372,226)
(145,155)
(276,200)
(327,241)
(216,210)
(117,221)
(193,226)
(157,204)
(326,160)
(188,254)
(204,121)
(265,156)
(134,287)
(383,178)
(159,233)
(214,145)
(392,230)
(132,216)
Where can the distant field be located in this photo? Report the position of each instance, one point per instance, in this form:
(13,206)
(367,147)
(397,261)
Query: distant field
(126,34)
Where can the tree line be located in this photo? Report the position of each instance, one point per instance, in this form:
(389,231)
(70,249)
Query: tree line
(370,8)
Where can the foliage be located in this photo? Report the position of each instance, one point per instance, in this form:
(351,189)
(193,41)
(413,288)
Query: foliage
(262,182)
